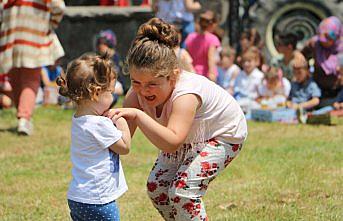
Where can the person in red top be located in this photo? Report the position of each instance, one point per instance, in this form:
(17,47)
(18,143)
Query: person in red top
(203,46)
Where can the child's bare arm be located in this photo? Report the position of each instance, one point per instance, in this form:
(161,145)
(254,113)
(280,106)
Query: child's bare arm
(123,145)
(306,105)
(309,104)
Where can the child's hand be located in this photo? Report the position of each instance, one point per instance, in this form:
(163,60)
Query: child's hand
(294,106)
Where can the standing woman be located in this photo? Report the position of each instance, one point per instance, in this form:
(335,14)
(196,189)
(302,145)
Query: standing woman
(27,43)
(203,45)
(196,124)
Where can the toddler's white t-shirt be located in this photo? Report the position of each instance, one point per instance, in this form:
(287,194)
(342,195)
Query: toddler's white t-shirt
(98,177)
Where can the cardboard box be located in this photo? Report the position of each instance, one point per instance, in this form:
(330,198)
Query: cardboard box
(283,115)
(334,117)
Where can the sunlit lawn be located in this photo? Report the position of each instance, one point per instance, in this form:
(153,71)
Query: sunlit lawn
(284,172)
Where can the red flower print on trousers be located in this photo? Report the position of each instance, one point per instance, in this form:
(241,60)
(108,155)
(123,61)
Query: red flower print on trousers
(205,165)
(180,184)
(176,199)
(235,147)
(152,186)
(203,154)
(189,207)
(162,197)
(183,174)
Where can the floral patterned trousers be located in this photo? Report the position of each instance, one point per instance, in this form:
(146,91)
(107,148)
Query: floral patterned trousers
(176,187)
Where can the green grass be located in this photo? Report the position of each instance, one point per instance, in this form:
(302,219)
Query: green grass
(284,172)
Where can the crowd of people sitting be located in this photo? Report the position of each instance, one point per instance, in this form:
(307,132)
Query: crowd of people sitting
(307,79)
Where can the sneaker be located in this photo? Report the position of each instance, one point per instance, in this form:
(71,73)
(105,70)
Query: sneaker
(302,116)
(25,127)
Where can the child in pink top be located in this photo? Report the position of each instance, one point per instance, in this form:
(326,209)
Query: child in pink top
(203,46)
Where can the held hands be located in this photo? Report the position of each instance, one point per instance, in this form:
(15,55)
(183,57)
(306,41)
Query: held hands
(127,113)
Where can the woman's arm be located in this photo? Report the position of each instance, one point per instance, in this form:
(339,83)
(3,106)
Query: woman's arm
(212,63)
(57,10)
(168,138)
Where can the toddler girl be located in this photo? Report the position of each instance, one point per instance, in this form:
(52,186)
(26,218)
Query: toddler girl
(96,143)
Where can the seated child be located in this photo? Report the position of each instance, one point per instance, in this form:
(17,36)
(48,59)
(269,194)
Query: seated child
(106,42)
(248,80)
(184,58)
(274,90)
(49,75)
(96,142)
(228,68)
(305,92)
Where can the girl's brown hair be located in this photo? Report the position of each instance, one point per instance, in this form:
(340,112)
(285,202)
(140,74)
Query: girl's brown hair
(228,51)
(152,48)
(252,53)
(86,77)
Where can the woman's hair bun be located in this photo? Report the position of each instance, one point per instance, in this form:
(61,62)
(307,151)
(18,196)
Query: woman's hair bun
(158,30)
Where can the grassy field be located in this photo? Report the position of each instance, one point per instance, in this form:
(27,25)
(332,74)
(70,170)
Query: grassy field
(284,172)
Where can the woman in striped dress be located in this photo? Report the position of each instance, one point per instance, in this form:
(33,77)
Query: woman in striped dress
(28,42)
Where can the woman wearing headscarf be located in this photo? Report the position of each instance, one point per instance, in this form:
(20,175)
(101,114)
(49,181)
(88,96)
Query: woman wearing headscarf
(324,49)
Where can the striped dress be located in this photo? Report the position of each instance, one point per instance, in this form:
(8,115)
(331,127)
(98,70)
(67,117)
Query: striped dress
(27,36)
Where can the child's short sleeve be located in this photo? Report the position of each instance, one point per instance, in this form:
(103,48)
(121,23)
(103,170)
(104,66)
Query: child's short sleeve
(315,90)
(105,133)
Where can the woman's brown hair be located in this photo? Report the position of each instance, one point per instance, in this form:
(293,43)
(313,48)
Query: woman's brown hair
(152,49)
(86,77)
